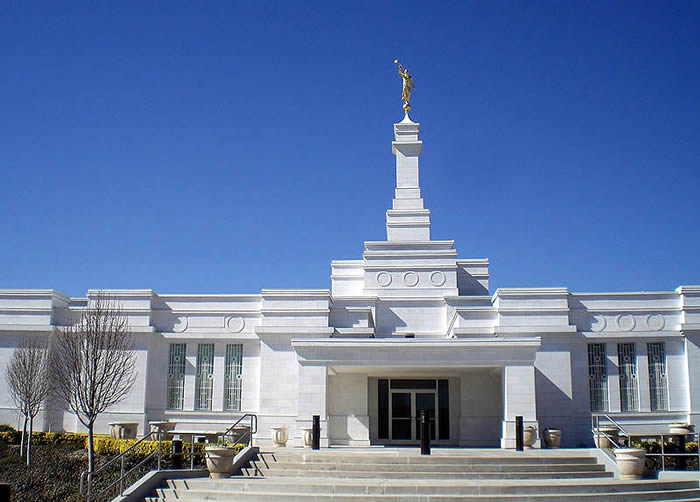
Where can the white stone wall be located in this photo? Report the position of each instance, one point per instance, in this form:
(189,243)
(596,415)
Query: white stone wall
(480,407)
(348,415)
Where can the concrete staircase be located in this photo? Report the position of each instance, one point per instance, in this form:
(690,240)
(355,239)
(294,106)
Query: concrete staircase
(404,475)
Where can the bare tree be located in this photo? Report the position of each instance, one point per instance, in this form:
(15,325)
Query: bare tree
(93,363)
(28,382)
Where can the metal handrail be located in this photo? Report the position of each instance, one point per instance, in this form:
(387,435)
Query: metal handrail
(252,430)
(86,487)
(597,432)
(90,475)
(612,421)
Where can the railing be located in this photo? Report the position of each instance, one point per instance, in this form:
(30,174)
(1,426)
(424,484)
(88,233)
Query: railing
(595,428)
(86,487)
(87,477)
(252,429)
(663,453)
(624,433)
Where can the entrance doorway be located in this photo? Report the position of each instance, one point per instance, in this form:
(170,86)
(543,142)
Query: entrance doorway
(400,403)
(405,409)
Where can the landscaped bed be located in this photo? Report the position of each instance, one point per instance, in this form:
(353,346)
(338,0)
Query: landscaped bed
(58,459)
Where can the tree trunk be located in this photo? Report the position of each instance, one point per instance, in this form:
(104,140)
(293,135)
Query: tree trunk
(24,437)
(91,448)
(29,442)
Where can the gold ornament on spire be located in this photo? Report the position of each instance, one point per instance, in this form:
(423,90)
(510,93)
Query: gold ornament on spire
(407,85)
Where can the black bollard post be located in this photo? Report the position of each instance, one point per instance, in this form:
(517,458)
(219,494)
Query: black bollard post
(682,464)
(519,433)
(424,432)
(177,453)
(4,492)
(316,433)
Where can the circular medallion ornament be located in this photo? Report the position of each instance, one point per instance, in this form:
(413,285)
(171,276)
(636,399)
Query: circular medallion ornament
(599,323)
(235,323)
(437,278)
(410,279)
(180,324)
(384,279)
(655,322)
(625,322)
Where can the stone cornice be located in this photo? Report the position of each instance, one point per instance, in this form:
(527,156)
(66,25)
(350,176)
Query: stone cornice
(295,293)
(472,261)
(519,292)
(35,293)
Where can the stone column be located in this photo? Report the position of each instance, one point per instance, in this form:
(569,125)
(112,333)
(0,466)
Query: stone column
(613,377)
(190,374)
(518,400)
(217,398)
(313,385)
(407,220)
(643,377)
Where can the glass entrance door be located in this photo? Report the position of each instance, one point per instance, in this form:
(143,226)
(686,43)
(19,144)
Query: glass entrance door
(405,414)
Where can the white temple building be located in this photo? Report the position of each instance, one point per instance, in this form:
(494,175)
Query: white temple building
(406,326)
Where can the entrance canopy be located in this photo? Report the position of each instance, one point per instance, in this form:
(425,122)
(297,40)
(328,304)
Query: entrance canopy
(463,352)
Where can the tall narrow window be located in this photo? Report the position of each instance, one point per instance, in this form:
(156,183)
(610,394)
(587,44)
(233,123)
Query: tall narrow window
(232,376)
(204,382)
(656,354)
(627,363)
(176,376)
(598,377)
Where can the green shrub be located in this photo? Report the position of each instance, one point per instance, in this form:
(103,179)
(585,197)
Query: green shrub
(11,437)
(110,446)
(670,463)
(6,428)
(73,439)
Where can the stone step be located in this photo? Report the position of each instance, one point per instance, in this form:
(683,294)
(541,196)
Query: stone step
(426,468)
(424,459)
(436,487)
(388,474)
(262,496)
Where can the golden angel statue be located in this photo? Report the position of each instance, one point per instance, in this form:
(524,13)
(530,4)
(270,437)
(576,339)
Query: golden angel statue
(407,85)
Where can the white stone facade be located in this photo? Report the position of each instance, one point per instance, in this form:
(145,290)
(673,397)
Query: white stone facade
(408,326)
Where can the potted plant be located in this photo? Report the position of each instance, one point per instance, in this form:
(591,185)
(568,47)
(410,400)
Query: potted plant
(280,435)
(307,434)
(220,459)
(602,437)
(529,436)
(552,437)
(630,462)
(681,429)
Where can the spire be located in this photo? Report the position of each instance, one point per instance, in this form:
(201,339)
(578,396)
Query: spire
(407,220)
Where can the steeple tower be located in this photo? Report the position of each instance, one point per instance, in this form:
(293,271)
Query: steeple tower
(407,220)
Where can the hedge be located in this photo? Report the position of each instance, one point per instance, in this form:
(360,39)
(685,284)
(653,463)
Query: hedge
(74,439)
(109,446)
(103,443)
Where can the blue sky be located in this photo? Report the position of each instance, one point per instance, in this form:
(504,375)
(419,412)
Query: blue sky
(223,147)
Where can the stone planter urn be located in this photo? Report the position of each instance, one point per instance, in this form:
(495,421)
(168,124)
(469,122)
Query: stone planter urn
(280,435)
(601,441)
(308,434)
(630,462)
(529,436)
(552,437)
(164,426)
(219,460)
(681,429)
